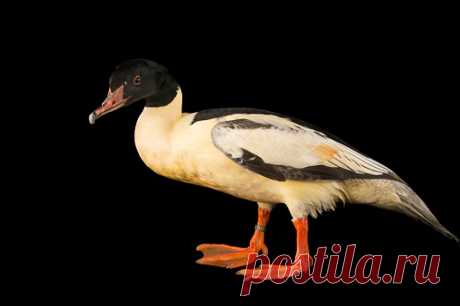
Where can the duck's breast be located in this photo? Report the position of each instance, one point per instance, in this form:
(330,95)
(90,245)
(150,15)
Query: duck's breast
(195,159)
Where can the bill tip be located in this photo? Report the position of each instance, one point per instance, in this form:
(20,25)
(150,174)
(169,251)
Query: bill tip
(92,118)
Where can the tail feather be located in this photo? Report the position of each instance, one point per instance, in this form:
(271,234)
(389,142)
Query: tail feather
(397,196)
(411,205)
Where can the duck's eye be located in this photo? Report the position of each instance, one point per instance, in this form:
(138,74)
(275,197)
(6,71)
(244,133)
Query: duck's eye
(137,80)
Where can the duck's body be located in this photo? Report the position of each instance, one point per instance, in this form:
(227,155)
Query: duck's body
(176,145)
(254,155)
(173,146)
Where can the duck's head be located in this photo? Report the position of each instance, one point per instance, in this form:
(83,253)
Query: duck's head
(137,80)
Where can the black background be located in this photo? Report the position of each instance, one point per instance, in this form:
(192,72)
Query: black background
(386,86)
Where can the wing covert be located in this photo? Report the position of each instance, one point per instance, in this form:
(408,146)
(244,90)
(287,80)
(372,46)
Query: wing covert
(281,149)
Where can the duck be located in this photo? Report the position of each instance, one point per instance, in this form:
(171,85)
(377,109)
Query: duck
(255,155)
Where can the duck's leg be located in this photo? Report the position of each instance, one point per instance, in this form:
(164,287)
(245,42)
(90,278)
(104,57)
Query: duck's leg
(222,255)
(300,265)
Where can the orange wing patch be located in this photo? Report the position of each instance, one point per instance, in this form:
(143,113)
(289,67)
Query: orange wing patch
(325,152)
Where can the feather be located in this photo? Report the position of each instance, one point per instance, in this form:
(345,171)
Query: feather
(280,149)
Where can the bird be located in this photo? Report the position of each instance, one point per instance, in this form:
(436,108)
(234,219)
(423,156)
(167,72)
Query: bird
(255,155)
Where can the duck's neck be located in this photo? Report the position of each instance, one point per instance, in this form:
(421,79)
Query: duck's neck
(153,131)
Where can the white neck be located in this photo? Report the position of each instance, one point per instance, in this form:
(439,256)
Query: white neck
(153,130)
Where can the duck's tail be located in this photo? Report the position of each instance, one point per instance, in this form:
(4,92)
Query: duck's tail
(410,204)
(397,196)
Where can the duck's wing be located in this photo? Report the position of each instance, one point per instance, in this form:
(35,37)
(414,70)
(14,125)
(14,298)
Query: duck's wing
(282,149)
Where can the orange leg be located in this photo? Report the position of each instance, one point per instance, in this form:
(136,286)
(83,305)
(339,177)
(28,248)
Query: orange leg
(222,255)
(302,258)
(301,226)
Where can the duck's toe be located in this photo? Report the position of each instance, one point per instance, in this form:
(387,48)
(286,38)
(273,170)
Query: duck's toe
(222,255)
(278,272)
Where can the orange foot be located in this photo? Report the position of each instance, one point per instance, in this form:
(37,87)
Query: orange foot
(222,255)
(227,256)
(278,273)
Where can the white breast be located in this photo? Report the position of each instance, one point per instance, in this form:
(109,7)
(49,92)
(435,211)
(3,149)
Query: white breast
(186,153)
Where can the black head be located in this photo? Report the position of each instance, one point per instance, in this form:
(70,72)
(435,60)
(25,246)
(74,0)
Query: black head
(136,80)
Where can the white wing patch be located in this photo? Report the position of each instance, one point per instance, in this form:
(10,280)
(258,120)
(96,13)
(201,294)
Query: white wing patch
(281,142)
